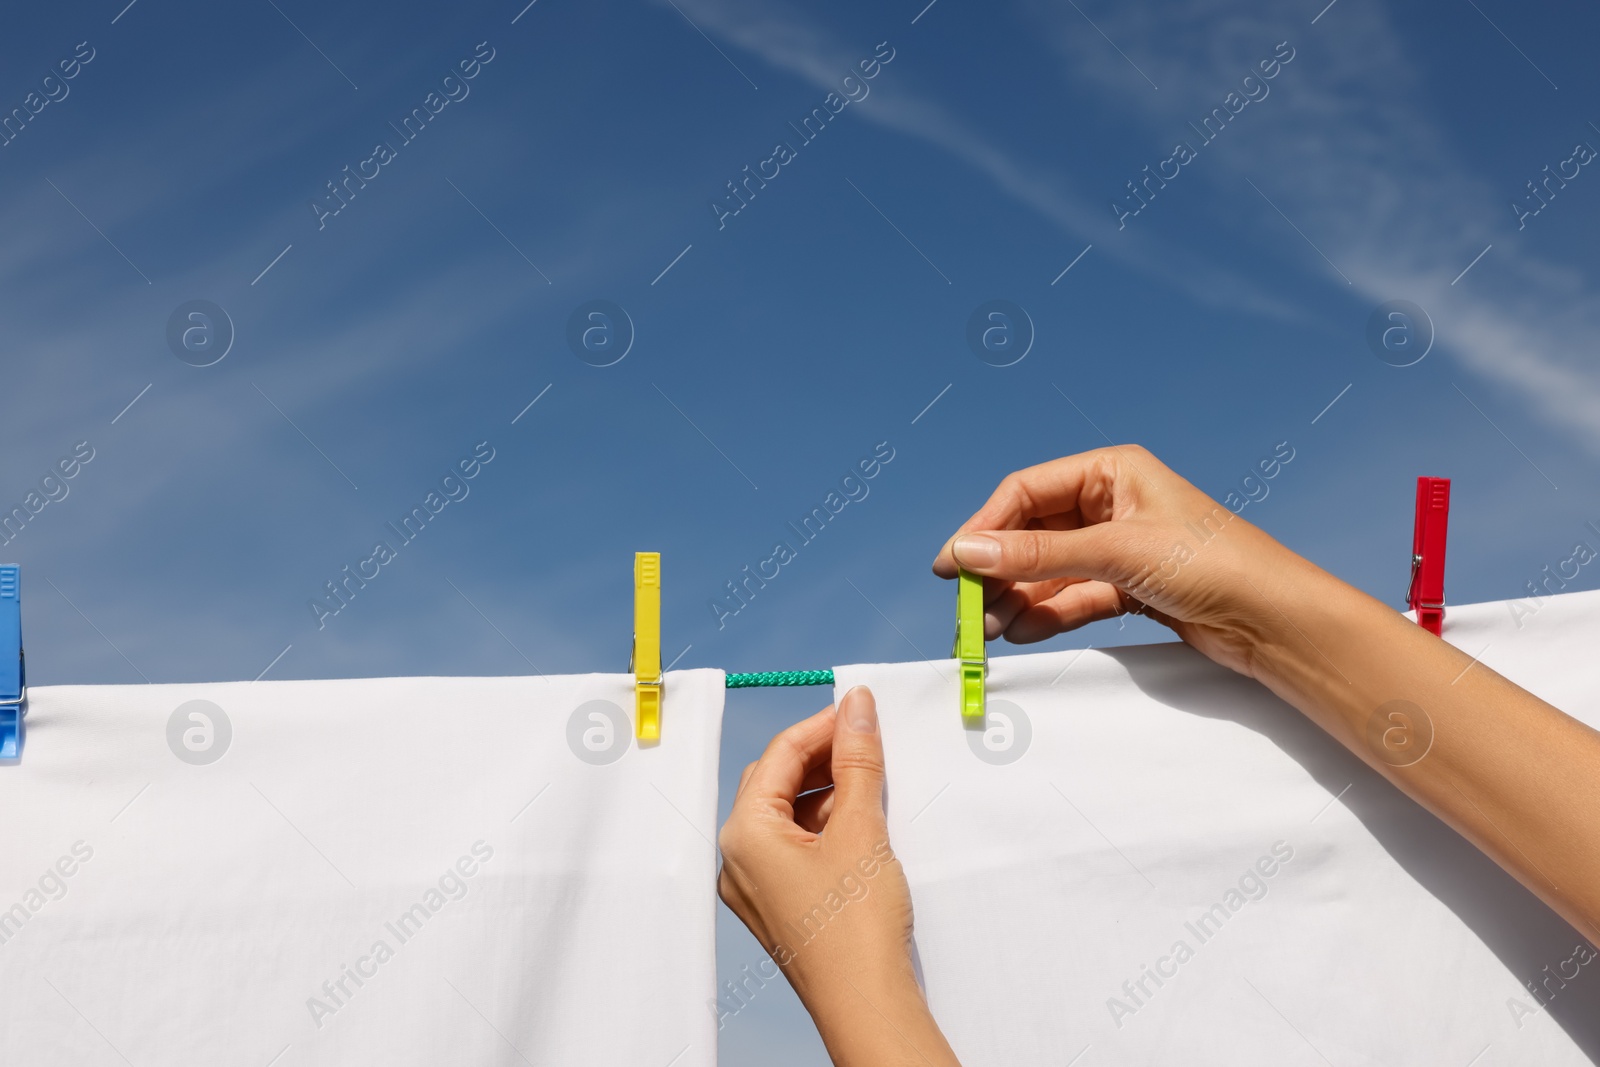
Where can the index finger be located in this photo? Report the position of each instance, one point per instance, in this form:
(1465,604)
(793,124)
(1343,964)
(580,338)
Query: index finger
(1077,489)
(780,774)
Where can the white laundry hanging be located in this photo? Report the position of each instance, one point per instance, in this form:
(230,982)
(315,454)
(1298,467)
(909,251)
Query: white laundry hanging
(210,882)
(1148,859)
(404,871)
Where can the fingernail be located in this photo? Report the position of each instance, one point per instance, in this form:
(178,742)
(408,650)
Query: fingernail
(860,711)
(977,553)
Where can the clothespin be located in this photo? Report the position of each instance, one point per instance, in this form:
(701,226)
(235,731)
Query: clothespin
(13,687)
(645,662)
(969,647)
(1426,595)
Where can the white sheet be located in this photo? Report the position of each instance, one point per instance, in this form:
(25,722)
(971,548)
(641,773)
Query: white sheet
(1152,785)
(208,903)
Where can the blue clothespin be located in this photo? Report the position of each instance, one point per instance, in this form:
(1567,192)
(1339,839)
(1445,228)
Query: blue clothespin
(13,688)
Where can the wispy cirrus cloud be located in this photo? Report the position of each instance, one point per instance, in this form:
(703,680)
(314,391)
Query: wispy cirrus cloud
(1342,157)
(789,40)
(1367,170)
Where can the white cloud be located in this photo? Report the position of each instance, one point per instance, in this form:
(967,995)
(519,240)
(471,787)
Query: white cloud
(1357,160)
(1351,153)
(789,41)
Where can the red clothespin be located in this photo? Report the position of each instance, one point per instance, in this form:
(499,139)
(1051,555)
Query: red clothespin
(1426,596)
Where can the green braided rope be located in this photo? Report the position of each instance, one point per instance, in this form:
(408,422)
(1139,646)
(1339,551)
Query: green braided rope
(766,678)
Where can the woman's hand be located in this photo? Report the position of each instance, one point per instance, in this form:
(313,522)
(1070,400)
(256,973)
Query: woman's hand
(808,868)
(1111,531)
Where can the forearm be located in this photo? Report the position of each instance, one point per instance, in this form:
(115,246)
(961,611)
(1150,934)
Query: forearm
(1517,777)
(867,1022)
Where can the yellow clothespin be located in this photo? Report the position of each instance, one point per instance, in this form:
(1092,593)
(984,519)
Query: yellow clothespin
(645,663)
(969,647)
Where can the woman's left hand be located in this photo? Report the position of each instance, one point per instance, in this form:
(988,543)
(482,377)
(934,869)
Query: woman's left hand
(808,868)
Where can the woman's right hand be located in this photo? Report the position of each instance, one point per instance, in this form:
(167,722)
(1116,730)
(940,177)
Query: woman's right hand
(1110,531)
(1103,533)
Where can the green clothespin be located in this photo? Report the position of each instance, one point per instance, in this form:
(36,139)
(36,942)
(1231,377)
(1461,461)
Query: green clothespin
(969,647)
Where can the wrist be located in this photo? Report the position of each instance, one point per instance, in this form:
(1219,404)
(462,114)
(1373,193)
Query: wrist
(878,1020)
(1292,608)
(1304,652)
(845,985)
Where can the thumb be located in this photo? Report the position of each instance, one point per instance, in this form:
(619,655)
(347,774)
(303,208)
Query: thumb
(1094,552)
(858,760)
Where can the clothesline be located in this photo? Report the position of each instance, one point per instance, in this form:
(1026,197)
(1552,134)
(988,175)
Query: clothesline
(772,678)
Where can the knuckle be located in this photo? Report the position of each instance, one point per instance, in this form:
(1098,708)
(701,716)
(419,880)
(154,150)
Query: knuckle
(870,762)
(1018,492)
(786,746)
(1027,551)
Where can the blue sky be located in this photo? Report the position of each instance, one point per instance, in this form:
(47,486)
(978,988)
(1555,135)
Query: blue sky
(773,348)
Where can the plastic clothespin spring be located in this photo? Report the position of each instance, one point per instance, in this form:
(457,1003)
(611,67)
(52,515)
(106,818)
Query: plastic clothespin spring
(969,647)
